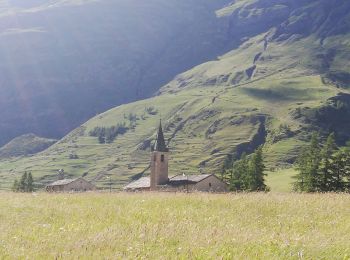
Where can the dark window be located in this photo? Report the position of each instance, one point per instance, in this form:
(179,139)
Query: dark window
(209,184)
(155,158)
(162,158)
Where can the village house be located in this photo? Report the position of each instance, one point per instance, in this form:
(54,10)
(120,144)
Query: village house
(70,185)
(159,179)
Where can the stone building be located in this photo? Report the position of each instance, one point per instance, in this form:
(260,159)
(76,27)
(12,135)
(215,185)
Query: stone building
(159,179)
(70,185)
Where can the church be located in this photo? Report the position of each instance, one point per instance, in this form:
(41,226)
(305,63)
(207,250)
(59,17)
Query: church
(159,179)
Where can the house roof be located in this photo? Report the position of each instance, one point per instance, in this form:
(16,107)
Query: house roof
(142,183)
(189,178)
(160,145)
(63,182)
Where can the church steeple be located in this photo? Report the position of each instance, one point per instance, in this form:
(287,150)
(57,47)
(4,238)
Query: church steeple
(160,145)
(159,161)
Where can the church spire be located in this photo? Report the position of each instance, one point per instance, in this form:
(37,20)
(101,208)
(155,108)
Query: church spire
(160,145)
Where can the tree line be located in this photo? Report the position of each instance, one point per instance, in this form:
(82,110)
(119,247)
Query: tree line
(26,183)
(248,173)
(323,168)
(108,134)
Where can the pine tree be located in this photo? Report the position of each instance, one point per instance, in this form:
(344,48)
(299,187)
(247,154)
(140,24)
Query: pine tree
(247,174)
(238,172)
(338,171)
(327,165)
(256,168)
(23,183)
(101,139)
(29,182)
(15,186)
(308,164)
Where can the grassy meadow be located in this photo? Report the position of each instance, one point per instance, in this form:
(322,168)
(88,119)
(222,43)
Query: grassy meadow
(169,226)
(281,180)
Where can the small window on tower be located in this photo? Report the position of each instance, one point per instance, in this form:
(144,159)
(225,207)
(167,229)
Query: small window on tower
(162,158)
(155,158)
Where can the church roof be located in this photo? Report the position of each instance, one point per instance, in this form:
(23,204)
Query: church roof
(145,182)
(160,145)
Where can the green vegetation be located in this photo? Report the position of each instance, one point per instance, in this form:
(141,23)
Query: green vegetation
(151,110)
(109,134)
(248,174)
(25,145)
(157,226)
(323,169)
(281,180)
(26,184)
(271,90)
(201,133)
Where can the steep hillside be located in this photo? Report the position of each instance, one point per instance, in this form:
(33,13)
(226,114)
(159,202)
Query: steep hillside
(62,62)
(25,145)
(274,89)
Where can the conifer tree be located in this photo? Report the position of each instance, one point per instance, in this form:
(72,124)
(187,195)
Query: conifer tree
(23,183)
(29,182)
(256,168)
(338,171)
(101,139)
(238,172)
(248,173)
(308,165)
(324,170)
(327,165)
(15,186)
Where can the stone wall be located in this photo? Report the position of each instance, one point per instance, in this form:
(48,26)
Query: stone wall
(212,183)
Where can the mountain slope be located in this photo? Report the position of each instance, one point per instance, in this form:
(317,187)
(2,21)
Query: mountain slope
(25,145)
(62,62)
(274,89)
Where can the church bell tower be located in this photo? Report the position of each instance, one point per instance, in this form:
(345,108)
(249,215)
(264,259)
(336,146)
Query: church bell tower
(159,161)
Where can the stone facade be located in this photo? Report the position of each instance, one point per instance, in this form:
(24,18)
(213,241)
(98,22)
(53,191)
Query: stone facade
(159,169)
(211,184)
(70,185)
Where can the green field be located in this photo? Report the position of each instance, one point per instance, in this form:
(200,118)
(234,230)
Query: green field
(281,180)
(169,226)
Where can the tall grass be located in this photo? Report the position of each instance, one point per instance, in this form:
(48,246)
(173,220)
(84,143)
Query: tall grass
(168,226)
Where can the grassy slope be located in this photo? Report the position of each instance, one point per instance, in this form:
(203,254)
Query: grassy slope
(281,180)
(282,82)
(25,145)
(181,226)
(207,111)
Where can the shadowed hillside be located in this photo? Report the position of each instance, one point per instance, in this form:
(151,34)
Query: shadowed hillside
(62,62)
(287,79)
